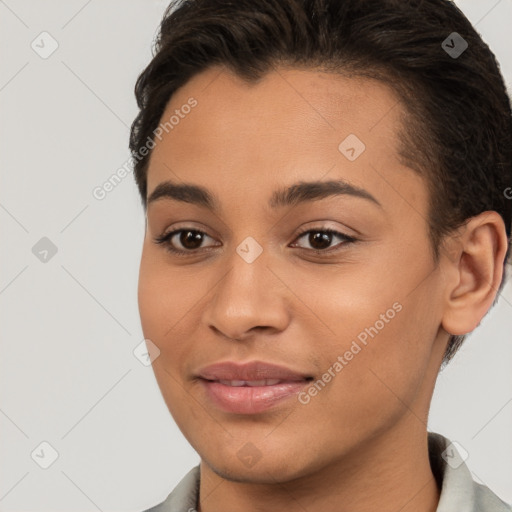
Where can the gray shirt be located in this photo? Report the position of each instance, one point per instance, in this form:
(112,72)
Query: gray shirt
(459,492)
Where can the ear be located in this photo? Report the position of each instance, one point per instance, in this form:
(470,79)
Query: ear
(474,269)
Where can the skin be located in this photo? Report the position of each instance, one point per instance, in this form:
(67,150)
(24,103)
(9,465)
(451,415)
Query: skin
(360,444)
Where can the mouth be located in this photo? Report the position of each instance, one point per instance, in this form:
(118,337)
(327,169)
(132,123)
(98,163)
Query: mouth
(251,383)
(253,372)
(250,388)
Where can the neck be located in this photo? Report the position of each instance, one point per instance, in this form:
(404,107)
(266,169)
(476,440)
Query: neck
(389,473)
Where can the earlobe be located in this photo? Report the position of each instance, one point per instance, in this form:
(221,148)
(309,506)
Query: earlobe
(477,269)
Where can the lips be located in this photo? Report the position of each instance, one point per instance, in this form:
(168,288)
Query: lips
(254,371)
(252,383)
(250,388)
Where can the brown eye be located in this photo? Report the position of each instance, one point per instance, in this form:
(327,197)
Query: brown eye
(320,239)
(190,239)
(183,241)
(187,241)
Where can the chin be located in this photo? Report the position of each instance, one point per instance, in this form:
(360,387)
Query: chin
(279,467)
(260,473)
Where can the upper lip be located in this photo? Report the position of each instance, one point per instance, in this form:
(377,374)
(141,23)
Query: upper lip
(254,370)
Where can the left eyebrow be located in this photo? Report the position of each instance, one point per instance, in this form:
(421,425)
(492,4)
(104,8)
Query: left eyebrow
(292,195)
(305,191)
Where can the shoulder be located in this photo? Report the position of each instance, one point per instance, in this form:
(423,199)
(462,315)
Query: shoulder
(487,501)
(458,489)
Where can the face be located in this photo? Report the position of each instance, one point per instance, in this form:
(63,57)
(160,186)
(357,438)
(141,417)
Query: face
(334,283)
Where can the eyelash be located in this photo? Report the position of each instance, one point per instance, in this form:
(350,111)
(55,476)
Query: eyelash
(166,238)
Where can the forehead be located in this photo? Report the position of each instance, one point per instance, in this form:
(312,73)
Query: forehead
(291,124)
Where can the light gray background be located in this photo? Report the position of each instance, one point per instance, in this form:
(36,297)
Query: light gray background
(67,372)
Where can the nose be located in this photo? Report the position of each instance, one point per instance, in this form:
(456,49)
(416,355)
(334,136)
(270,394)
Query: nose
(247,299)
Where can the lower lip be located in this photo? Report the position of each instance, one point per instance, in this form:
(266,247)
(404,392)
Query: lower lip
(250,399)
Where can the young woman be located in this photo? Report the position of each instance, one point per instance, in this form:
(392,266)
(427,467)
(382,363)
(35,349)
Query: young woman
(328,187)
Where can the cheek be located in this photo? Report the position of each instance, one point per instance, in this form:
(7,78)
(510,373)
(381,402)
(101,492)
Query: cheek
(378,383)
(382,331)
(169,300)
(164,295)
(161,306)
(149,295)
